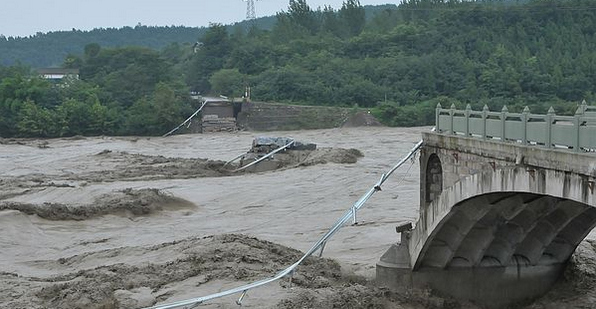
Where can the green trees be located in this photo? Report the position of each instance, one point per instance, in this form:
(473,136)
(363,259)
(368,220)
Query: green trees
(34,120)
(125,74)
(9,111)
(352,17)
(211,54)
(301,21)
(499,77)
(17,89)
(121,91)
(69,108)
(229,82)
(301,16)
(156,114)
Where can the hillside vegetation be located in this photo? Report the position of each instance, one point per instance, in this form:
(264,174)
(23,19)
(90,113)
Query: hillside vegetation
(399,62)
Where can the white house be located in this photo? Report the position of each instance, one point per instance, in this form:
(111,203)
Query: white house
(58,73)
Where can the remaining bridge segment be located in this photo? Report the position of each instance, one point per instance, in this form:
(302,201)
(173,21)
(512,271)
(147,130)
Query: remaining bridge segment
(504,201)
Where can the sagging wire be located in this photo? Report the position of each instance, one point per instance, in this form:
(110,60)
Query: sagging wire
(188,120)
(407,173)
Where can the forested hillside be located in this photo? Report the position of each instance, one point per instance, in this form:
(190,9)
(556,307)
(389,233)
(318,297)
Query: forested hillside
(50,49)
(399,62)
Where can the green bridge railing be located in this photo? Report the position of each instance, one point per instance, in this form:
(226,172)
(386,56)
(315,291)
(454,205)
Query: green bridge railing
(576,133)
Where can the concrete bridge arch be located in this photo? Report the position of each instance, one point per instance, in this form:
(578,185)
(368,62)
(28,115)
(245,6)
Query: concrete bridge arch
(510,217)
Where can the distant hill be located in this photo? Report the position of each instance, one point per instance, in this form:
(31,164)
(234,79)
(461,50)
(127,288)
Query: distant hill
(50,49)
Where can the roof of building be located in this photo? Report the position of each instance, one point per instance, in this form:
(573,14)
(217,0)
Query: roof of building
(57,71)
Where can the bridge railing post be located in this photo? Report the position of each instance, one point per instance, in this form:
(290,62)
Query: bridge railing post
(438,117)
(484,117)
(451,114)
(467,113)
(504,115)
(549,127)
(576,124)
(524,117)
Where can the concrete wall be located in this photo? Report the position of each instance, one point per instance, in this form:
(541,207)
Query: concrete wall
(271,116)
(221,109)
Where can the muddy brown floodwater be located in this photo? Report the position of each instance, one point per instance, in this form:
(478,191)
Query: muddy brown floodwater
(129,222)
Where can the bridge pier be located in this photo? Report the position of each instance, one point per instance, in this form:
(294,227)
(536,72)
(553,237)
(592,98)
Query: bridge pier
(393,269)
(490,287)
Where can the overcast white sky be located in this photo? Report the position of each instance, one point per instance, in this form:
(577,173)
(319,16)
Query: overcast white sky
(27,17)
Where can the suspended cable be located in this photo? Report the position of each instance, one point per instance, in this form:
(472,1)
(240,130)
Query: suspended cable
(187,120)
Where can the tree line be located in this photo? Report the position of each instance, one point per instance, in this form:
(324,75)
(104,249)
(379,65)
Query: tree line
(121,91)
(398,62)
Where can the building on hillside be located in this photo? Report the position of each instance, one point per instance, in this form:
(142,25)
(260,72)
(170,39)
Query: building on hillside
(58,74)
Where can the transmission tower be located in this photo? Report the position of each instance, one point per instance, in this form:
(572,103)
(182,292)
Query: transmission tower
(250,9)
